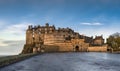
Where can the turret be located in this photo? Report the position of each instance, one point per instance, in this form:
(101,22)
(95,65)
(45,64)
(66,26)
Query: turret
(47,25)
(30,27)
(29,35)
(38,26)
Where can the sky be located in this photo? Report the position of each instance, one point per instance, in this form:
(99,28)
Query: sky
(88,17)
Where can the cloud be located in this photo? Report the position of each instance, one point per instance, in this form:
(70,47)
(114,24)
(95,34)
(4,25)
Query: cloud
(10,47)
(14,31)
(105,31)
(11,42)
(12,38)
(92,24)
(3,44)
(17,29)
(2,22)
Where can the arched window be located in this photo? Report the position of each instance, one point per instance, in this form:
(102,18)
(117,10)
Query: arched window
(77,48)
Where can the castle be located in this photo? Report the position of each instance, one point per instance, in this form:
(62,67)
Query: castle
(49,39)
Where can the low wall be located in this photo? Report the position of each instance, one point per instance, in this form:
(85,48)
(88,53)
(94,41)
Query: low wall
(97,49)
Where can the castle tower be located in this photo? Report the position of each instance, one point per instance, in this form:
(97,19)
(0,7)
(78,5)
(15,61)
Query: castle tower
(98,40)
(46,28)
(36,36)
(29,35)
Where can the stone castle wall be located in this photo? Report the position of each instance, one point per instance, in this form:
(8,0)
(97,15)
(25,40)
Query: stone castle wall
(97,49)
(50,39)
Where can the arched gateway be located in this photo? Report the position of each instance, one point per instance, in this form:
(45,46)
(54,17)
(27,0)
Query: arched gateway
(76,48)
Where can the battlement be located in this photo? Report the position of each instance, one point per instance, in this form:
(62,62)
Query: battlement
(48,28)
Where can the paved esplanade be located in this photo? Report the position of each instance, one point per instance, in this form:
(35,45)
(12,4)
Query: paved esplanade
(68,62)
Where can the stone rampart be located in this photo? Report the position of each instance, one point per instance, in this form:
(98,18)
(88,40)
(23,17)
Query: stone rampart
(97,49)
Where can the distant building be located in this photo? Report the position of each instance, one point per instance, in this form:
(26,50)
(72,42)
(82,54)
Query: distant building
(49,39)
(98,41)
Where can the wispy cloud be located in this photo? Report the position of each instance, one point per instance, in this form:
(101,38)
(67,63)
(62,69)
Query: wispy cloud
(92,24)
(9,47)
(12,38)
(3,44)
(10,42)
(105,31)
(2,22)
(17,29)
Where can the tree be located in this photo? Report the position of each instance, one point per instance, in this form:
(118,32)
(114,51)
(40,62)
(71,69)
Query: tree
(114,41)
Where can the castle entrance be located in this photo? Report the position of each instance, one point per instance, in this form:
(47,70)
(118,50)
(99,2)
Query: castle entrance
(77,48)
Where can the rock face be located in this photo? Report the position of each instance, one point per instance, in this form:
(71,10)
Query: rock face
(49,39)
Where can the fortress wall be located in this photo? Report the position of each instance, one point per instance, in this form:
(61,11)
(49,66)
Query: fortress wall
(97,49)
(36,36)
(65,46)
(48,39)
(78,41)
(41,36)
(51,48)
(29,39)
(85,45)
(51,39)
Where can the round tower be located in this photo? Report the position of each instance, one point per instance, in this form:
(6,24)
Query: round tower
(29,35)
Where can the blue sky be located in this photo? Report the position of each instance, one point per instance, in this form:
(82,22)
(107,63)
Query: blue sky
(88,17)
